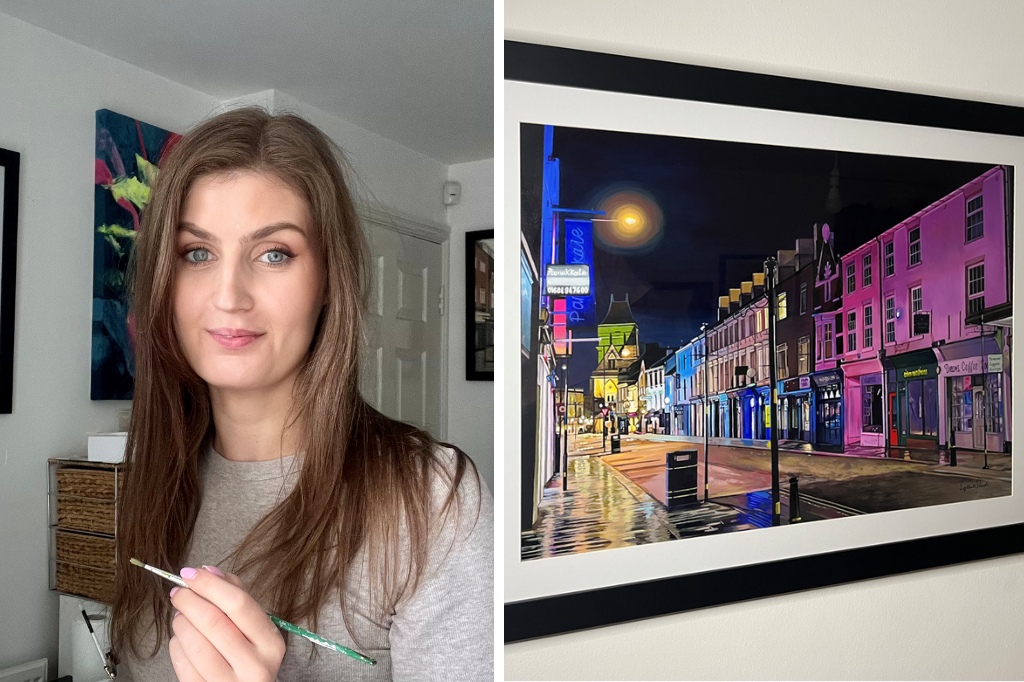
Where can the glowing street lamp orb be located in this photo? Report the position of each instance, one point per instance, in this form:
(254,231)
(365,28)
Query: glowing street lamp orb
(633,220)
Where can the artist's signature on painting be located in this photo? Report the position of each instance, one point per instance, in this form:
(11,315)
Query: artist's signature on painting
(972,484)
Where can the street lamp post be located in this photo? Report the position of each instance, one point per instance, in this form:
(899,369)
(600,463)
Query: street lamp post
(769,267)
(707,413)
(565,428)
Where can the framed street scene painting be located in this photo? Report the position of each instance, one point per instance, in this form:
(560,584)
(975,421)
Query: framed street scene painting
(10,171)
(764,341)
(480,305)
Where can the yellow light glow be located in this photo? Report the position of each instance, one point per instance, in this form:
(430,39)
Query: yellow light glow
(629,220)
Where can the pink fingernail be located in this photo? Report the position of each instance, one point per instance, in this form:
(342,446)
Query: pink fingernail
(174,590)
(213,569)
(189,573)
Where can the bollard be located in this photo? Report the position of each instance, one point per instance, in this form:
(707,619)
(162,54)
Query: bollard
(794,501)
(952,455)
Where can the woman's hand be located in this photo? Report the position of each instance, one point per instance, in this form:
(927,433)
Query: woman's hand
(220,632)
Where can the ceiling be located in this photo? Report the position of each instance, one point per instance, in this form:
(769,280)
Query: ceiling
(419,72)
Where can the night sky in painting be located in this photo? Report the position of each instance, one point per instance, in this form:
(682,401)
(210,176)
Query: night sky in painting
(726,207)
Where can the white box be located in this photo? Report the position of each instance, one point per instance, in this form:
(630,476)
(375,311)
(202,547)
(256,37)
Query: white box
(107,447)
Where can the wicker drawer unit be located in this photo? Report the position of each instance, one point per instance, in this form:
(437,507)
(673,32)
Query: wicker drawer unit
(82,499)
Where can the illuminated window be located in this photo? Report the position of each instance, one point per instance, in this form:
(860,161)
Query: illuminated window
(804,355)
(782,306)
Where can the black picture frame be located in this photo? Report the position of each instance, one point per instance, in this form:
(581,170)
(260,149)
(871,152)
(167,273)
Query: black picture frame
(569,611)
(479,332)
(10,162)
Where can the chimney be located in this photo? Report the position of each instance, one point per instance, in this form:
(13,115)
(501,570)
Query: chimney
(734,300)
(804,252)
(723,307)
(758,279)
(746,292)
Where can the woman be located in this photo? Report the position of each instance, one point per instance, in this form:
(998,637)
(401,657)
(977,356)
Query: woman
(255,467)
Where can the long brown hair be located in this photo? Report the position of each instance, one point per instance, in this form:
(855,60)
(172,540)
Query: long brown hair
(363,476)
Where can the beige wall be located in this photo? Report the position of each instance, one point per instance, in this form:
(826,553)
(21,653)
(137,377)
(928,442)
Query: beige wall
(961,622)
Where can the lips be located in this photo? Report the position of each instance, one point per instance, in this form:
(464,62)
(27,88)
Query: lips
(234,338)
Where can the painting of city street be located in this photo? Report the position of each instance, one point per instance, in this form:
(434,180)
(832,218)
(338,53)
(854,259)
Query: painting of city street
(698,314)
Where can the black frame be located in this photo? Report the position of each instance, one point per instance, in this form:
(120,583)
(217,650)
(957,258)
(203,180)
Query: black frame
(472,373)
(545,616)
(11,162)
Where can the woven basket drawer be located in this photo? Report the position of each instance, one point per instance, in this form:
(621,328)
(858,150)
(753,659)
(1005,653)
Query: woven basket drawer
(83,513)
(85,550)
(91,583)
(97,484)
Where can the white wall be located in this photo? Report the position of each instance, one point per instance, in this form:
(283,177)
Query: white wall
(50,89)
(389,176)
(957,622)
(470,403)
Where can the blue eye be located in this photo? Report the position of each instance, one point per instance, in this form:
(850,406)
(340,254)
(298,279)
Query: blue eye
(276,257)
(197,256)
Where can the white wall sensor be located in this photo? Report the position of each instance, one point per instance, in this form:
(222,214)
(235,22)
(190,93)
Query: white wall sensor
(452,193)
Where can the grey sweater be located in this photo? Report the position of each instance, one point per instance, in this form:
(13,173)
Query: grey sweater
(445,631)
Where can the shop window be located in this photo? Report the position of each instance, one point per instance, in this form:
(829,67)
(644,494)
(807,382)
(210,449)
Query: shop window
(871,408)
(994,398)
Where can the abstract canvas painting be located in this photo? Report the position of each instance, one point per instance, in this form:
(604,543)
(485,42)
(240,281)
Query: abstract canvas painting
(128,154)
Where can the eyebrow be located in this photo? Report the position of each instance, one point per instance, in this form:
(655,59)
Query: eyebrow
(253,236)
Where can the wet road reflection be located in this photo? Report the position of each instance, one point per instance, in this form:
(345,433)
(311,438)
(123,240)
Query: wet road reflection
(603,509)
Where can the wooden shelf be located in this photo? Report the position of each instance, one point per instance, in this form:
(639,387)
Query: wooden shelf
(83,524)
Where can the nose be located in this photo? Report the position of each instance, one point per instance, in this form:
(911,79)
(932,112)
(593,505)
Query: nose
(233,291)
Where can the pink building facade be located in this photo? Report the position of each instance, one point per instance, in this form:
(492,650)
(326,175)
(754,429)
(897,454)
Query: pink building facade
(911,359)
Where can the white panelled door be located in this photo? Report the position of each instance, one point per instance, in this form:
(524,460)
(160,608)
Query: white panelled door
(402,365)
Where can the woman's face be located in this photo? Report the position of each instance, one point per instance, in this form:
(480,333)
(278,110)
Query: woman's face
(249,286)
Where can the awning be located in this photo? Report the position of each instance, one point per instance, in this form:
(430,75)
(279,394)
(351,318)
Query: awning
(914,358)
(998,315)
(969,348)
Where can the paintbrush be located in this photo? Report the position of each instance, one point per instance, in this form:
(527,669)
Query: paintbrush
(283,624)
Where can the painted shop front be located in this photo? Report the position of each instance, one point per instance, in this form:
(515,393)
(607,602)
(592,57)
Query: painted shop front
(828,404)
(913,399)
(973,394)
(864,403)
(796,405)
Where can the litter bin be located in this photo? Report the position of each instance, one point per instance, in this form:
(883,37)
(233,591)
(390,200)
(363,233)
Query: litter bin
(616,446)
(681,473)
